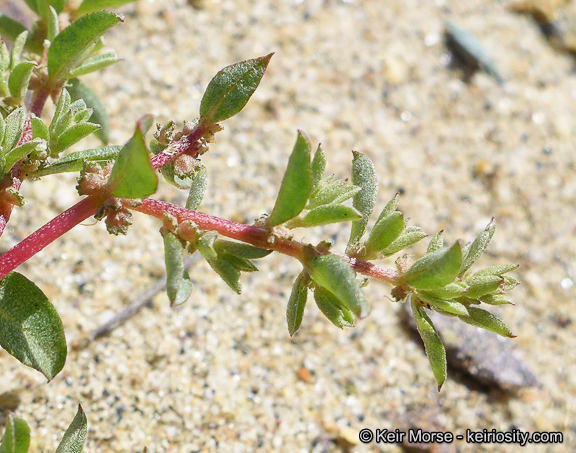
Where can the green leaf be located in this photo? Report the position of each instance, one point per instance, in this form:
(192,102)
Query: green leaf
(75,161)
(10,29)
(20,152)
(242,264)
(296,184)
(240,249)
(199,182)
(75,436)
(408,237)
(53,24)
(450,306)
(79,90)
(2,131)
(17,49)
(436,243)
(68,46)
(30,329)
(318,165)
(323,215)
(478,247)
(486,320)
(481,285)
(88,6)
(496,299)
(450,291)
(62,117)
(363,176)
(16,436)
(132,175)
(332,308)
(95,63)
(390,207)
(14,125)
(499,269)
(435,269)
(331,192)
(432,342)
(72,135)
(336,275)
(39,129)
(178,283)
(229,273)
(297,303)
(19,79)
(230,89)
(385,232)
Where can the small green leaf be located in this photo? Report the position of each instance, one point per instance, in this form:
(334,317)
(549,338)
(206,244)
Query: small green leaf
(58,5)
(486,320)
(16,436)
(318,165)
(132,175)
(450,306)
(14,125)
(436,243)
(95,63)
(230,89)
(19,79)
(477,247)
(499,269)
(332,308)
(20,152)
(435,269)
(39,129)
(75,436)
(336,275)
(79,90)
(62,117)
(385,232)
(199,182)
(496,299)
(68,46)
(88,6)
(390,207)
(363,176)
(30,329)
(240,249)
(2,131)
(450,291)
(53,24)
(432,342)
(323,215)
(75,161)
(296,184)
(481,285)
(72,135)
(408,237)
(229,273)
(242,264)
(178,283)
(331,192)
(9,30)
(17,49)
(297,303)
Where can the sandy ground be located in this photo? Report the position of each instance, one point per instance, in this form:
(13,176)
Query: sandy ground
(221,372)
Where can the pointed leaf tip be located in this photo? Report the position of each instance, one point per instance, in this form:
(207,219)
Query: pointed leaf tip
(75,436)
(363,176)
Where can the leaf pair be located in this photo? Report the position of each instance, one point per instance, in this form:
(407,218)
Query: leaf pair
(16,437)
(304,198)
(336,291)
(19,72)
(389,234)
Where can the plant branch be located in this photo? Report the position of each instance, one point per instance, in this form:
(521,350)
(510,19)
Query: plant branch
(190,145)
(47,234)
(256,236)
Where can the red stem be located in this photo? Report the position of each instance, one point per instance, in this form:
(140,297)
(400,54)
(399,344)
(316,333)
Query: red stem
(189,144)
(256,236)
(47,234)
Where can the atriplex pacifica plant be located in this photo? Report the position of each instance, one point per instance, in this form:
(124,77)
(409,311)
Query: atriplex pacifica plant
(46,61)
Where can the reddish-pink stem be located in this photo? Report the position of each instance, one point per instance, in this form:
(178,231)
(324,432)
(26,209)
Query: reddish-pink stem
(47,234)
(256,236)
